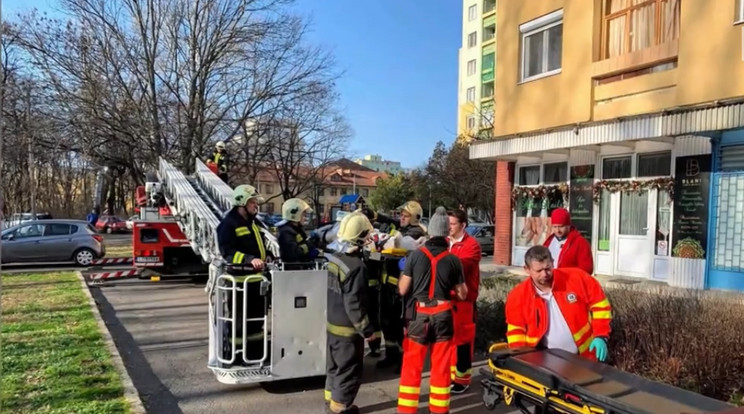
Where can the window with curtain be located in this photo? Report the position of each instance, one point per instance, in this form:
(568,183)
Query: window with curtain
(634,213)
(604,221)
(663,223)
(529,175)
(633,25)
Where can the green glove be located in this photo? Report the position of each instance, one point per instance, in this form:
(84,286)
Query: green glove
(600,346)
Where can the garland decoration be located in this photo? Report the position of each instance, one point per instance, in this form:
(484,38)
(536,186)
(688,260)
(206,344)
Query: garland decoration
(539,192)
(633,186)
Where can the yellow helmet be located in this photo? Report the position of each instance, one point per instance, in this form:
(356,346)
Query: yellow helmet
(354,228)
(414,209)
(294,208)
(244,193)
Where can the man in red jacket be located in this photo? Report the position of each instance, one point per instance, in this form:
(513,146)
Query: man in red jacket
(566,245)
(467,249)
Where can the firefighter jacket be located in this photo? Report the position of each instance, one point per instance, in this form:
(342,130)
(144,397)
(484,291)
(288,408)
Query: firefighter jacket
(468,250)
(347,296)
(222,160)
(240,240)
(575,252)
(581,300)
(294,245)
(390,225)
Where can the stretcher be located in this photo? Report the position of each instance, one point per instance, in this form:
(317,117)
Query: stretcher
(555,381)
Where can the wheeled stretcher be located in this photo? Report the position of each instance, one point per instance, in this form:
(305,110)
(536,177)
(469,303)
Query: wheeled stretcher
(555,381)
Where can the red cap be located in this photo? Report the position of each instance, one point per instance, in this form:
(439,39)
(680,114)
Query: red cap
(560,216)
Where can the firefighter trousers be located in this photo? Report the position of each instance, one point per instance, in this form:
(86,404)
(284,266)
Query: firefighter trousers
(374,313)
(464,314)
(391,318)
(344,367)
(430,330)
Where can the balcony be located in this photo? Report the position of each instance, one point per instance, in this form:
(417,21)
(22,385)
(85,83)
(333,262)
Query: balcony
(489,29)
(489,6)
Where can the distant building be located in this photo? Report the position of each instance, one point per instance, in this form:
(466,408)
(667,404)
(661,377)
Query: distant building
(376,163)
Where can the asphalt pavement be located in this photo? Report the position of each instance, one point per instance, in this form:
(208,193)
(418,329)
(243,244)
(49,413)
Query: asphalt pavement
(160,329)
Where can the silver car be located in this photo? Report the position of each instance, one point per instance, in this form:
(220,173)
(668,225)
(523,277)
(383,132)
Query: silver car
(52,241)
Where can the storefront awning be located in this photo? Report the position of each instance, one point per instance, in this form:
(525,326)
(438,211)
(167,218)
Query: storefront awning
(649,127)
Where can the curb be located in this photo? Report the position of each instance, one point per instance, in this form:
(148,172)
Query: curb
(130,392)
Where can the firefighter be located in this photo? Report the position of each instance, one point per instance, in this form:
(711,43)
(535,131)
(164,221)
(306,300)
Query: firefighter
(348,322)
(294,245)
(429,276)
(241,243)
(391,304)
(563,308)
(221,159)
(374,271)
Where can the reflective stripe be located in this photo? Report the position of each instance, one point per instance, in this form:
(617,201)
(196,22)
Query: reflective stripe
(405,402)
(409,390)
(250,278)
(238,257)
(242,231)
(439,390)
(601,304)
(583,347)
(373,282)
(304,248)
(532,340)
(392,280)
(516,338)
(438,403)
(340,330)
(363,324)
(602,315)
(578,335)
(327,395)
(259,240)
(510,327)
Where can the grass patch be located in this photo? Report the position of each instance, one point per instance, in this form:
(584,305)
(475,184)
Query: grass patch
(54,359)
(691,340)
(124,250)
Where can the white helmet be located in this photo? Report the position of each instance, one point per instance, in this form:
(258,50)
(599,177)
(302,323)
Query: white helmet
(244,193)
(294,208)
(220,145)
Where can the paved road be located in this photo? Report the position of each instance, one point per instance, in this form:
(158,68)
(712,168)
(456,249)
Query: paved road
(160,329)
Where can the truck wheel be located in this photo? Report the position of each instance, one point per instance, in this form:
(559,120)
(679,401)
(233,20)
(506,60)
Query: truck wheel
(84,257)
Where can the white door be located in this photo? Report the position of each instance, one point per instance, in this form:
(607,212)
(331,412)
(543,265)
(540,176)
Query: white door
(634,239)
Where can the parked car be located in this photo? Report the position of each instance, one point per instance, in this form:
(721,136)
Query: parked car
(483,233)
(111,224)
(52,241)
(130,221)
(20,218)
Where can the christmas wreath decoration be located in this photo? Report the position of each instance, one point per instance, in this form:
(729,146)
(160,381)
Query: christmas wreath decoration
(633,186)
(539,192)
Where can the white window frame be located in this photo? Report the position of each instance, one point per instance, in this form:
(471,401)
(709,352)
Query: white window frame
(470,94)
(738,11)
(541,24)
(474,35)
(472,12)
(474,66)
(470,122)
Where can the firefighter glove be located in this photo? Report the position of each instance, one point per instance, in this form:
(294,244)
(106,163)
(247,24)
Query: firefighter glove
(314,253)
(402,264)
(599,345)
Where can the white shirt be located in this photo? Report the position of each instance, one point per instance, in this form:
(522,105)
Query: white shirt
(555,247)
(559,336)
(453,240)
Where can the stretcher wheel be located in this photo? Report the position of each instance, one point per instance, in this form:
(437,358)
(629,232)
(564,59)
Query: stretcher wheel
(490,399)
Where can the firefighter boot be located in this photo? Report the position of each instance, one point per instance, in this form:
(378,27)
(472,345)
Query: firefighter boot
(337,408)
(374,347)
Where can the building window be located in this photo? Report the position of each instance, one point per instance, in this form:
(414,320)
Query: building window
(471,67)
(334,192)
(655,165)
(365,192)
(472,12)
(471,122)
(472,39)
(631,26)
(344,191)
(614,168)
(555,173)
(471,94)
(542,46)
(269,189)
(529,175)
(739,12)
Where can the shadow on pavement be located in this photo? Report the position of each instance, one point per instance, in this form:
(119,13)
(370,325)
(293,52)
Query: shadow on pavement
(156,397)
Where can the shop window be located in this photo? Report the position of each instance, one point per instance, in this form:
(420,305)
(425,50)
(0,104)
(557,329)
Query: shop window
(604,221)
(614,168)
(555,173)
(529,175)
(634,213)
(663,223)
(655,164)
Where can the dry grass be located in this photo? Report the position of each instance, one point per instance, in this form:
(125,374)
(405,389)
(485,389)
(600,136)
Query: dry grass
(692,340)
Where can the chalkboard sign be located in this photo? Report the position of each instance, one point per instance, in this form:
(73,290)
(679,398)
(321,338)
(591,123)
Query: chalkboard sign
(580,202)
(690,223)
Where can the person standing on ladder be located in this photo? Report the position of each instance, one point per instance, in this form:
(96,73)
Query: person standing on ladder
(429,276)
(221,159)
(241,243)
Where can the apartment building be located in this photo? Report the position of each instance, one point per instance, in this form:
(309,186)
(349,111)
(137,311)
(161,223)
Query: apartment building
(630,113)
(476,68)
(377,163)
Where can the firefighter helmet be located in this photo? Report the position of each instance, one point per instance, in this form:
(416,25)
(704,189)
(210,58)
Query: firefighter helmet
(294,208)
(414,209)
(244,193)
(354,228)
(220,145)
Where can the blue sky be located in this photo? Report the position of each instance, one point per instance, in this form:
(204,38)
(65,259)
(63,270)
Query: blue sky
(399,91)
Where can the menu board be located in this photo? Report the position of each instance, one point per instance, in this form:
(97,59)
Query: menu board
(690,222)
(580,202)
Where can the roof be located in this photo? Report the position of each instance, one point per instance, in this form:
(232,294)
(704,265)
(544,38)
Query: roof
(351,199)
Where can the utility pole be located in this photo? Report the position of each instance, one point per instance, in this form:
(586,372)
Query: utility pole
(29,135)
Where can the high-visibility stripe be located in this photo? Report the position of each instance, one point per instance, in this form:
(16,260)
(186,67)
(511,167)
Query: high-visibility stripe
(238,257)
(327,395)
(363,324)
(578,335)
(602,315)
(510,327)
(242,231)
(341,330)
(259,240)
(439,390)
(409,390)
(304,248)
(392,280)
(585,345)
(516,338)
(601,304)
(532,340)
(373,282)
(405,402)
(437,402)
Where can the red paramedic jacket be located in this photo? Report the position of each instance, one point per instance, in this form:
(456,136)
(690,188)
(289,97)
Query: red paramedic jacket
(576,252)
(469,252)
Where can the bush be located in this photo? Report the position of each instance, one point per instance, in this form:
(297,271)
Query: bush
(691,341)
